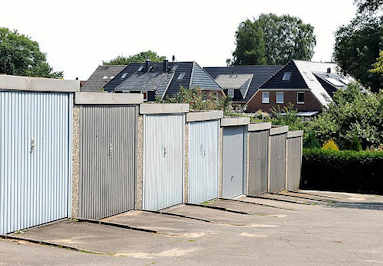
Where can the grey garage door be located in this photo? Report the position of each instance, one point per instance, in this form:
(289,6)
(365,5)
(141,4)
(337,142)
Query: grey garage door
(107,160)
(258,160)
(233,161)
(35,158)
(163,160)
(278,162)
(294,162)
(203,161)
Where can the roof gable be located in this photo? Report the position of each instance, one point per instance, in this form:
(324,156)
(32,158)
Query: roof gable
(100,77)
(260,74)
(296,80)
(201,79)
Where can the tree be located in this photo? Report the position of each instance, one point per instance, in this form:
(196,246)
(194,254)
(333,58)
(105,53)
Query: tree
(355,116)
(251,49)
(19,55)
(357,46)
(137,58)
(378,66)
(368,5)
(273,40)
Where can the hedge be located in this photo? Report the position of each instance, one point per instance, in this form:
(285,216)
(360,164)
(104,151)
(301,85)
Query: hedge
(343,171)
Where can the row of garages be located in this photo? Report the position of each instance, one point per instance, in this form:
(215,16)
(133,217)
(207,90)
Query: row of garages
(92,155)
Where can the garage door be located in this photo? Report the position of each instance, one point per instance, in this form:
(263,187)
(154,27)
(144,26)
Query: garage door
(107,161)
(163,161)
(203,161)
(233,162)
(35,158)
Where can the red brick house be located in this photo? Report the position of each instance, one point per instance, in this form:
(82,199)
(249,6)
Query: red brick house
(308,86)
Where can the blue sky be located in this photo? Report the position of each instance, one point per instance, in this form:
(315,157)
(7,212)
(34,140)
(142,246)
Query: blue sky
(79,35)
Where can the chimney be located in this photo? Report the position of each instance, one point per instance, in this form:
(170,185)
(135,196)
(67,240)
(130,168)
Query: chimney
(147,64)
(165,65)
(329,70)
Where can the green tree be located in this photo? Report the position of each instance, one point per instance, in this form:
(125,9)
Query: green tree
(378,66)
(19,55)
(251,48)
(137,58)
(357,46)
(368,5)
(273,40)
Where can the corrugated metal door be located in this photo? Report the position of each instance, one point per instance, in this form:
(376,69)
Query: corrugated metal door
(294,163)
(277,163)
(163,160)
(233,161)
(35,158)
(259,160)
(107,160)
(203,161)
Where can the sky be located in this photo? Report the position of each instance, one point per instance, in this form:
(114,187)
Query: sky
(78,35)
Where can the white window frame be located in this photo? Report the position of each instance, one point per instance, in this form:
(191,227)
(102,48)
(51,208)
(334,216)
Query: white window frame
(298,102)
(283,97)
(264,93)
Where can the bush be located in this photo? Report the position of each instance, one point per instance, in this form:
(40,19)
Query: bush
(345,171)
(310,141)
(330,145)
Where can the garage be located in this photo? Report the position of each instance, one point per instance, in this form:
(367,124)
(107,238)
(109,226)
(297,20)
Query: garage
(163,154)
(107,155)
(278,136)
(202,179)
(234,155)
(258,158)
(35,151)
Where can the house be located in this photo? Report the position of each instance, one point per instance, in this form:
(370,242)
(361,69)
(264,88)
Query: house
(241,82)
(161,80)
(100,77)
(307,86)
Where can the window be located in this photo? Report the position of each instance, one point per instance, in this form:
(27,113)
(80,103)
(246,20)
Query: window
(300,97)
(145,96)
(104,77)
(111,77)
(140,68)
(124,75)
(335,82)
(231,93)
(181,76)
(286,76)
(265,97)
(280,97)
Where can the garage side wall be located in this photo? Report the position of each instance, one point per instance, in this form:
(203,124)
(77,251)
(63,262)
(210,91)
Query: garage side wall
(277,178)
(258,162)
(294,162)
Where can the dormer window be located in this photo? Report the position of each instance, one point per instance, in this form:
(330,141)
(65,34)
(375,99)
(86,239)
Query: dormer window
(286,76)
(181,76)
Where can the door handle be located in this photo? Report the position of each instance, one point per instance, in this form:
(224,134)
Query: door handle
(33,145)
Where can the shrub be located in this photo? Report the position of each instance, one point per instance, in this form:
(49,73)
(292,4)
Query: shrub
(310,141)
(330,145)
(346,171)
